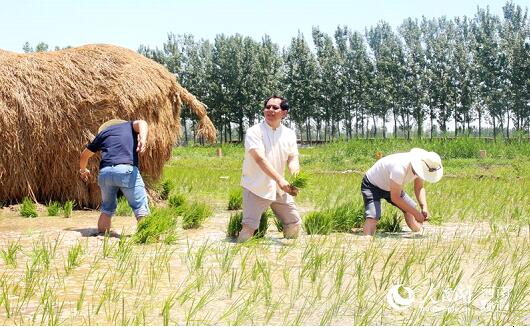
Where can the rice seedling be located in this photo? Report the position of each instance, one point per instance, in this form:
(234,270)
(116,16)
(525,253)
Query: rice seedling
(278,224)
(195,214)
(28,208)
(67,208)
(177,201)
(299,181)
(318,222)
(390,222)
(53,208)
(167,186)
(10,254)
(234,224)
(263,224)
(168,304)
(235,199)
(346,217)
(74,257)
(123,208)
(159,225)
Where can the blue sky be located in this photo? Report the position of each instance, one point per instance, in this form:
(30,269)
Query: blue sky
(130,23)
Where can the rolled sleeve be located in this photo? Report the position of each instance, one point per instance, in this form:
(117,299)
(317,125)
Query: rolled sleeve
(253,141)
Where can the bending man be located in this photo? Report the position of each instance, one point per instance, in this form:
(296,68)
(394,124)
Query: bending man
(386,179)
(119,142)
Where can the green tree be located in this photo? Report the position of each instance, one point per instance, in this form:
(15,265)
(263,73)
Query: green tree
(299,82)
(414,75)
(329,85)
(514,36)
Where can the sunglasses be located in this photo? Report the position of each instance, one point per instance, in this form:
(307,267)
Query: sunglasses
(432,170)
(272,106)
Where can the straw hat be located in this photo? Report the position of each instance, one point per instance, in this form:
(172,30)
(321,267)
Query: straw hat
(110,123)
(427,165)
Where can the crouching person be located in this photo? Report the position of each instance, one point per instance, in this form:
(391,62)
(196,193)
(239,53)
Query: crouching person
(386,179)
(120,142)
(269,147)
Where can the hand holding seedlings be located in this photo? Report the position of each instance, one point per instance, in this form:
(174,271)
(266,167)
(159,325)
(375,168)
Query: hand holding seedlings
(298,181)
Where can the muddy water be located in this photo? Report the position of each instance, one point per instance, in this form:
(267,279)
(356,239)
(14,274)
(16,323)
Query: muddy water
(134,284)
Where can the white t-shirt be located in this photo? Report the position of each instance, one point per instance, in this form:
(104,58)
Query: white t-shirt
(277,145)
(394,167)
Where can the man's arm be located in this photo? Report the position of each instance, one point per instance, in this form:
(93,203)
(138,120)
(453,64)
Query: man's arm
(395,196)
(421,196)
(267,168)
(141,127)
(293,164)
(84,173)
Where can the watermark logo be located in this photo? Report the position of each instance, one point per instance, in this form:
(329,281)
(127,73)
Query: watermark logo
(400,297)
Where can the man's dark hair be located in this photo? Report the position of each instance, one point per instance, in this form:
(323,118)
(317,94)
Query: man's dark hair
(284,105)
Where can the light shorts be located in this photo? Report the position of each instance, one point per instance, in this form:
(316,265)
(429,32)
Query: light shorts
(126,178)
(372,196)
(283,207)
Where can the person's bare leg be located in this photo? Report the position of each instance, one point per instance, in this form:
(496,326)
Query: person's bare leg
(413,224)
(245,234)
(104,223)
(370,226)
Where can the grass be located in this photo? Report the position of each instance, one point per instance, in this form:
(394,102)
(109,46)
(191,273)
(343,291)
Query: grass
(28,208)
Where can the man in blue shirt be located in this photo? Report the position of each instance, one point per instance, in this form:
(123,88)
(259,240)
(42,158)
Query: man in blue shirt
(120,142)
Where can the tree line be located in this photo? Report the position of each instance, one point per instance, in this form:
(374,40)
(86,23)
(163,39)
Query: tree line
(427,77)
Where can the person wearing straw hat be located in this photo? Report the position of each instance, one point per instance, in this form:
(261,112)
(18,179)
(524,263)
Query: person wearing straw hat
(120,142)
(386,179)
(269,148)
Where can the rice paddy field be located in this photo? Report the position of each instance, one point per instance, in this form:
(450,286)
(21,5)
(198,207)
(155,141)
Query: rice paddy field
(469,266)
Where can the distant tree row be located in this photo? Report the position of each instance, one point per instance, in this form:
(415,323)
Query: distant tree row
(434,76)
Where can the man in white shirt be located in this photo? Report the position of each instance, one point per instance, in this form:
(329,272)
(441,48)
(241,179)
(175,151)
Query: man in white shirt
(269,148)
(386,178)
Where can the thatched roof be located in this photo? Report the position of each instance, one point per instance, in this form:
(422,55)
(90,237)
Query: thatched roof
(52,102)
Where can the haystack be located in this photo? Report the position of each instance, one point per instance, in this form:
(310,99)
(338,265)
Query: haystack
(51,103)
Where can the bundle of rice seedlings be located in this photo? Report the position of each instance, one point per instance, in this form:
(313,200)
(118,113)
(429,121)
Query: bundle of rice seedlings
(161,224)
(178,202)
(299,180)
(235,224)
(346,217)
(235,199)
(53,208)
(195,214)
(263,224)
(67,208)
(28,208)
(318,222)
(123,208)
(390,223)
(167,186)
